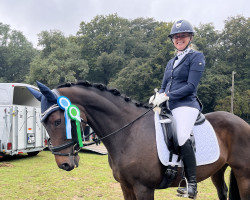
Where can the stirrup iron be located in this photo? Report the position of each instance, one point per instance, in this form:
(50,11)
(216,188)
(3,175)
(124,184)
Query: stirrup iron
(183,191)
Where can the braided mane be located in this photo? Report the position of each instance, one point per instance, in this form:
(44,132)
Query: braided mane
(103,87)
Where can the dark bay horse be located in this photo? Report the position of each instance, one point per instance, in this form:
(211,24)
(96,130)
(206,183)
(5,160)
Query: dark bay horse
(132,150)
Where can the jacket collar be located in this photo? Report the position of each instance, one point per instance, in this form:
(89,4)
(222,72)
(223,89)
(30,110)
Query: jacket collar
(183,59)
(183,53)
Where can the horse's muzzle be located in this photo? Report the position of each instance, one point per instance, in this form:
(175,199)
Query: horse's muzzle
(67,163)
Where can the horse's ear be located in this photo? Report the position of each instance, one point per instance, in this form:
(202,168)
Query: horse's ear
(35,93)
(48,94)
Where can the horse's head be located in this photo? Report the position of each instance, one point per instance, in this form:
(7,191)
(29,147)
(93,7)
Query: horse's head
(64,123)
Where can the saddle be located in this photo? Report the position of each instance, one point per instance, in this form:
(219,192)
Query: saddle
(170,136)
(169,129)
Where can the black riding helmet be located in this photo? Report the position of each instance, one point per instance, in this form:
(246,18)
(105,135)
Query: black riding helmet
(181,26)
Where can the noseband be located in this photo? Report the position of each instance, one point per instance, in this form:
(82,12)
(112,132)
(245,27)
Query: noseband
(74,143)
(55,150)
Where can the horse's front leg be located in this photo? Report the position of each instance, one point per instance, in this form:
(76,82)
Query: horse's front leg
(128,193)
(138,192)
(143,193)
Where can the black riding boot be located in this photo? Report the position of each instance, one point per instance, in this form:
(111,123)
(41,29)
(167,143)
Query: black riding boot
(189,161)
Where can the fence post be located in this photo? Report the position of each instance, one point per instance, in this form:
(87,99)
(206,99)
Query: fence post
(232,92)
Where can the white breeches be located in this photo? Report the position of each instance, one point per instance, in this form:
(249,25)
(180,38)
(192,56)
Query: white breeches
(185,118)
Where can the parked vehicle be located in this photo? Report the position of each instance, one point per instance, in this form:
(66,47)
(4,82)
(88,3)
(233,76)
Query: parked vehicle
(20,127)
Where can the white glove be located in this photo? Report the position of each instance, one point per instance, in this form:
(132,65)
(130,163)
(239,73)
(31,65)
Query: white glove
(151,99)
(160,98)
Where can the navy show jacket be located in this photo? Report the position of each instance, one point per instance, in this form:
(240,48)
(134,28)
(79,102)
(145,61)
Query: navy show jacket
(181,83)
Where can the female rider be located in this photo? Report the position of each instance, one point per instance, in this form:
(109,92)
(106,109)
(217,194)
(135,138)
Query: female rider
(179,86)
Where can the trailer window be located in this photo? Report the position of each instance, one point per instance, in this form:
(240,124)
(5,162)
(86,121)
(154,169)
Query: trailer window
(23,97)
(5,97)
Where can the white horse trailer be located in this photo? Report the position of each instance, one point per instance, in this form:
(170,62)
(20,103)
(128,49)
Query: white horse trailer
(20,127)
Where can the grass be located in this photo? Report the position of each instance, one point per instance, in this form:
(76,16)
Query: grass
(38,178)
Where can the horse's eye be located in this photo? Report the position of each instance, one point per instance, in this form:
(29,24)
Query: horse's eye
(58,122)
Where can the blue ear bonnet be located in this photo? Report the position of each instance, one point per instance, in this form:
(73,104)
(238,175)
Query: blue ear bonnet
(47,98)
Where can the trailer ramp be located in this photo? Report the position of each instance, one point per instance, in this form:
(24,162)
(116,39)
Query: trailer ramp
(100,149)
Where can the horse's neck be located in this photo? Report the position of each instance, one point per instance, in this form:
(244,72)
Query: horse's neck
(105,112)
(106,116)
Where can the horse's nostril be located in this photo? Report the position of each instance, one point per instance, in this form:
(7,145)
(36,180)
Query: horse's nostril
(66,166)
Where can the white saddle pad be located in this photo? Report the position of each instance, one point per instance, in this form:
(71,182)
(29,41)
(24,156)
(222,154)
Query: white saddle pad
(207,147)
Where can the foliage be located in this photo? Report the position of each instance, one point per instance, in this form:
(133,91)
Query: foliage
(229,52)
(58,62)
(131,55)
(107,66)
(110,42)
(134,79)
(241,104)
(16,53)
(206,40)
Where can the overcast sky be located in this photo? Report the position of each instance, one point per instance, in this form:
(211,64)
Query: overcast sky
(33,16)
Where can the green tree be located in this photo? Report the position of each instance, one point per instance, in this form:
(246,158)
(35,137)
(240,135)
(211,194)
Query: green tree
(116,38)
(102,34)
(163,45)
(234,56)
(206,40)
(107,66)
(131,55)
(16,53)
(134,79)
(60,61)
(241,104)
(213,87)
(50,41)
(164,51)
(235,47)
(224,52)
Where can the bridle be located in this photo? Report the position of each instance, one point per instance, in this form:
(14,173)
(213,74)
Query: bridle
(74,143)
(55,150)
(65,104)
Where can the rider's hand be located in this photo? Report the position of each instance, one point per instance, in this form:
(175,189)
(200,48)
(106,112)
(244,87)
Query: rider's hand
(151,99)
(160,98)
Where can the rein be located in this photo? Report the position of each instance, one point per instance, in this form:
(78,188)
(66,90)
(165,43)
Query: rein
(55,150)
(76,143)
(96,141)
